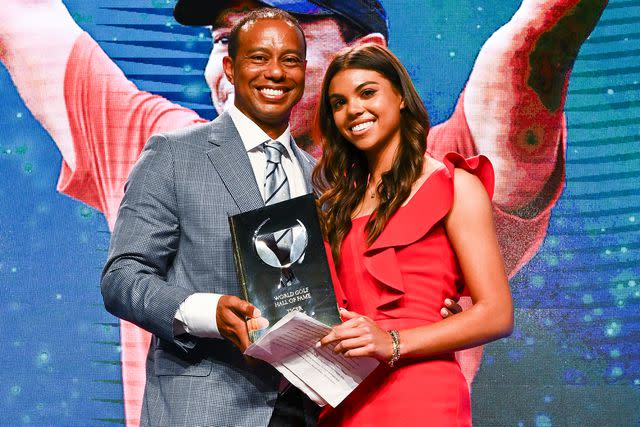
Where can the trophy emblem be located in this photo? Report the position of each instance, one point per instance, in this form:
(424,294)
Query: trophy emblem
(282,249)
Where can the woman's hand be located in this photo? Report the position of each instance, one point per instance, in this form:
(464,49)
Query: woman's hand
(359,336)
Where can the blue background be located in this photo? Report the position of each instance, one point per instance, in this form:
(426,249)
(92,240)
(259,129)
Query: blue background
(574,358)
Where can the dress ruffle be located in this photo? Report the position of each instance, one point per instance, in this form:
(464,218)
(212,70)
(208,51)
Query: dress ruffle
(429,205)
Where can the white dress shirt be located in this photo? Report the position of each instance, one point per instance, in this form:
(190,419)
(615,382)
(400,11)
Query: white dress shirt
(197,314)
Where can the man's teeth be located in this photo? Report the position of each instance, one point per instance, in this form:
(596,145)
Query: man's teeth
(362,126)
(272,92)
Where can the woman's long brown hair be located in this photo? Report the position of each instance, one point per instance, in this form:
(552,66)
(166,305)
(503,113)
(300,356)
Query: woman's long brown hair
(342,173)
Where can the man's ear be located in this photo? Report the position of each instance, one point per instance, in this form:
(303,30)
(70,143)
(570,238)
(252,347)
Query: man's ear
(375,38)
(227,65)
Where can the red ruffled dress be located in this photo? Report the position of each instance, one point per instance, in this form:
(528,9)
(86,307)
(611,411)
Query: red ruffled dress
(401,281)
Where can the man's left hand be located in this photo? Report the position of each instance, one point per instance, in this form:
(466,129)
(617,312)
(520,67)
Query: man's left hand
(450,308)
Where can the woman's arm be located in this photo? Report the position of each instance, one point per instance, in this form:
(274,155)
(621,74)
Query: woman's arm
(471,232)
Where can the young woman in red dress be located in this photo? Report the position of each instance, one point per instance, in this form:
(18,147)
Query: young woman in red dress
(406,231)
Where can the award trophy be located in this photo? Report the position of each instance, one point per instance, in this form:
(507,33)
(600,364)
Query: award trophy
(281,261)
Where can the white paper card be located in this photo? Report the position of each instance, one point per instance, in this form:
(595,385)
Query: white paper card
(290,346)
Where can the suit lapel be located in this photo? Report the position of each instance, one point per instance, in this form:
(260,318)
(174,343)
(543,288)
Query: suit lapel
(230,159)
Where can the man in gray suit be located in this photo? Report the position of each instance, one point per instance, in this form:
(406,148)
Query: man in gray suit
(170,261)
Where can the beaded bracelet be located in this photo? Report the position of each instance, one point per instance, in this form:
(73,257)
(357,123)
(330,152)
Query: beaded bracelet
(395,342)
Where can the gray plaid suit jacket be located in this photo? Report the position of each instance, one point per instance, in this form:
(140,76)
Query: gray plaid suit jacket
(171,239)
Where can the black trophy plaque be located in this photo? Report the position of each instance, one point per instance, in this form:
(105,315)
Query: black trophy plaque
(282,263)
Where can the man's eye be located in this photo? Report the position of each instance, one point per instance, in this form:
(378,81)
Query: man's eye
(221,40)
(292,60)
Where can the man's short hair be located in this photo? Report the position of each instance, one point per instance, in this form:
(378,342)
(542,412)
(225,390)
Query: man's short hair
(257,15)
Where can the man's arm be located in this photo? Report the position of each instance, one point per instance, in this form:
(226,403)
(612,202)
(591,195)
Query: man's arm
(36,38)
(515,97)
(97,117)
(136,281)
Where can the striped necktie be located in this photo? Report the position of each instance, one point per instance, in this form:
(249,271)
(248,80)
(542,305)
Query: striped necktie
(276,186)
(276,189)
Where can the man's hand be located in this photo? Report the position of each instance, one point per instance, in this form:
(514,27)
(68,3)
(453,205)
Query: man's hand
(235,318)
(450,307)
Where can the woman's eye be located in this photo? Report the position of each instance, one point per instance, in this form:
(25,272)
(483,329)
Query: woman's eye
(368,92)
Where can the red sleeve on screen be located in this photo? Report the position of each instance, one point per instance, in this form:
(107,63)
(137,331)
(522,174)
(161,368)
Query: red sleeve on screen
(520,235)
(110,119)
